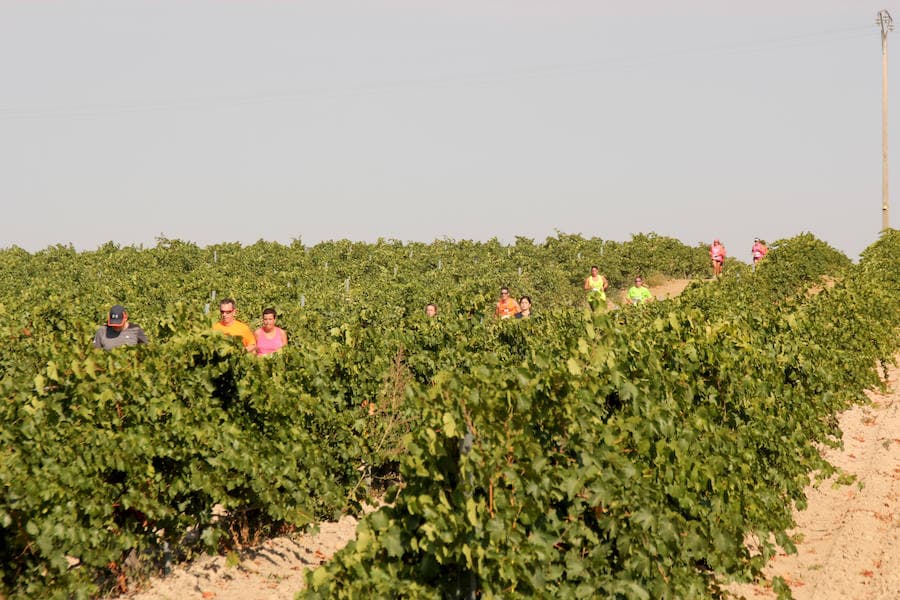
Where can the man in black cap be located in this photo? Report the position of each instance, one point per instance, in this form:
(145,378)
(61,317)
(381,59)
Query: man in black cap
(118,331)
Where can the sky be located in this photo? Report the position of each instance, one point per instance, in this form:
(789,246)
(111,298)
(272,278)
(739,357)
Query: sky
(224,121)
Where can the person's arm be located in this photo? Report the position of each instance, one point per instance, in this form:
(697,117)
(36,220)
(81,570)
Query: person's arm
(141,335)
(283,337)
(97,337)
(605,282)
(249,340)
(587,283)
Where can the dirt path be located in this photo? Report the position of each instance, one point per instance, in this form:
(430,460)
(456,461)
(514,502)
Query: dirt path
(274,570)
(849,545)
(670,288)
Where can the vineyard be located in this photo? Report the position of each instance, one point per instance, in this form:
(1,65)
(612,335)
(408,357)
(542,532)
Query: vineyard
(580,453)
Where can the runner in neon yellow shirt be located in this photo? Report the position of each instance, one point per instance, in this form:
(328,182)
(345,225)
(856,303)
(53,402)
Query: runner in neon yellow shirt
(638,293)
(596,283)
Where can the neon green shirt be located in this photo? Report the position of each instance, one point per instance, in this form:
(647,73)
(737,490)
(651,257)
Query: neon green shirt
(596,285)
(639,295)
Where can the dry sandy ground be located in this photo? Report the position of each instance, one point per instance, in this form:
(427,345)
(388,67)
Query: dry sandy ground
(670,288)
(849,545)
(274,570)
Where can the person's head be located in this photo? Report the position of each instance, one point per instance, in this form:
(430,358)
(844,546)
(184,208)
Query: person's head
(504,292)
(227,309)
(595,270)
(638,281)
(755,240)
(118,317)
(525,304)
(716,241)
(431,309)
(268,319)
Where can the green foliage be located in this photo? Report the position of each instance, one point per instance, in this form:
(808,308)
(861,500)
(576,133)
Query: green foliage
(574,454)
(131,449)
(629,456)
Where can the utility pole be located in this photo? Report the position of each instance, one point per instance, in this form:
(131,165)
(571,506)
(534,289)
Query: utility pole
(884,20)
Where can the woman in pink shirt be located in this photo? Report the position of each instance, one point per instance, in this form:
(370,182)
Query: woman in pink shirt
(717,254)
(269,338)
(759,251)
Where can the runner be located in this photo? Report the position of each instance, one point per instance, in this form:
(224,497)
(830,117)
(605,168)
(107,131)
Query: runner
(229,325)
(596,283)
(524,308)
(717,255)
(759,251)
(118,331)
(638,293)
(506,306)
(269,337)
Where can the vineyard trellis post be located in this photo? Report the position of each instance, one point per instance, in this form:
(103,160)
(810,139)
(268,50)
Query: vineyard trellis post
(886,23)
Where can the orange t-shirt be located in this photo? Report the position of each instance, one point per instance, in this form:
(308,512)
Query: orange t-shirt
(238,329)
(507,308)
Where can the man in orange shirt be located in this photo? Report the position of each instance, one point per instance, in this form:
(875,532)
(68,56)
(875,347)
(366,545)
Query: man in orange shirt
(506,306)
(229,325)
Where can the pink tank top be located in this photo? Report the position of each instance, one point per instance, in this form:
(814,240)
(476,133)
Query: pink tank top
(264,345)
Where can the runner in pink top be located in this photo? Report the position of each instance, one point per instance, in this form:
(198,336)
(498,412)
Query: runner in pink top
(269,338)
(759,251)
(717,254)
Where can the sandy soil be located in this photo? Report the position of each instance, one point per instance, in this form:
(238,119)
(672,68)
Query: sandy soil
(670,288)
(849,535)
(274,570)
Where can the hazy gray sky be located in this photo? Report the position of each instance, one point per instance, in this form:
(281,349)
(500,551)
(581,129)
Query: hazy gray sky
(235,121)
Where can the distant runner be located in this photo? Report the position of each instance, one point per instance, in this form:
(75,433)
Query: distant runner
(506,306)
(717,255)
(118,331)
(758,251)
(638,293)
(596,283)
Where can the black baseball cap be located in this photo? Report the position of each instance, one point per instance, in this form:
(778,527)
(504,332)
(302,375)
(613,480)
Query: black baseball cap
(116,315)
